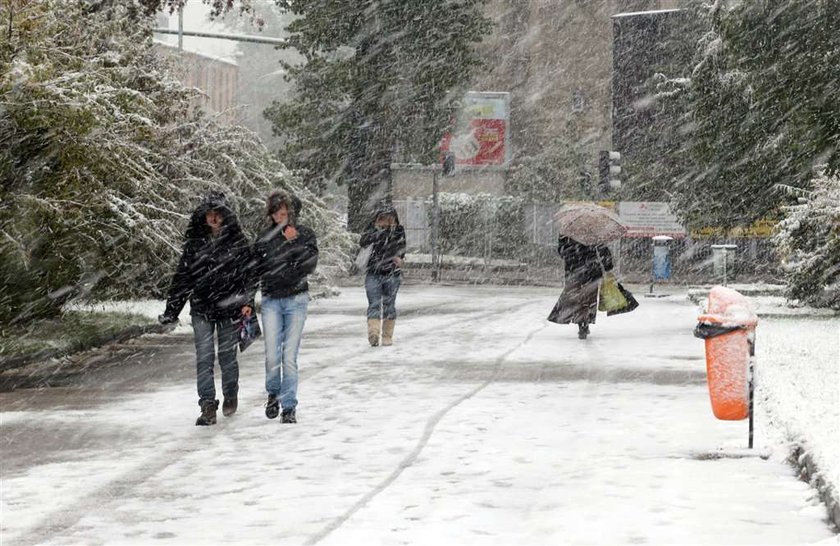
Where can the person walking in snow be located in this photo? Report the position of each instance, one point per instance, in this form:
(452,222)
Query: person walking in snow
(285,253)
(386,239)
(584,266)
(212,274)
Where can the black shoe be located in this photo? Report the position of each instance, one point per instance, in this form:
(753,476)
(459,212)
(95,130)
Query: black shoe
(230,406)
(272,407)
(288,416)
(208,413)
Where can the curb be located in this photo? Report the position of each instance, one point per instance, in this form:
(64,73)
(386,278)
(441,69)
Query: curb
(809,472)
(12,363)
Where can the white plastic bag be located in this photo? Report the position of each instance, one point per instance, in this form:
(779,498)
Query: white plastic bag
(362,258)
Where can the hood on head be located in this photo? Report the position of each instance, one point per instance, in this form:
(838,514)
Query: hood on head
(214,200)
(383,210)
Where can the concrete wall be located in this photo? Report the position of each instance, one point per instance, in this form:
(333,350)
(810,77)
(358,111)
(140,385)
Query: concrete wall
(413,182)
(217,78)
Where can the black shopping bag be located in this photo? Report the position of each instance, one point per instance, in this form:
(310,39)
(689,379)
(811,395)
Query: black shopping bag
(249,331)
(631,302)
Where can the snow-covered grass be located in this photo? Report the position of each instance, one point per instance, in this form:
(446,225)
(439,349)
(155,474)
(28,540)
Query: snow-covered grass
(77,329)
(798,379)
(798,386)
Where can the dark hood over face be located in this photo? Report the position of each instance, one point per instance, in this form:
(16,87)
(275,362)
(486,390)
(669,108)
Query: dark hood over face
(383,210)
(215,200)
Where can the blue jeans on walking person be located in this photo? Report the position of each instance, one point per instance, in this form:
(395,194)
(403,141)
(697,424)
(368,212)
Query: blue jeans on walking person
(382,295)
(227,331)
(283,320)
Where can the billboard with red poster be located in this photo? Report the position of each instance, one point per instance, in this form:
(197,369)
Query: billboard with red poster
(481,131)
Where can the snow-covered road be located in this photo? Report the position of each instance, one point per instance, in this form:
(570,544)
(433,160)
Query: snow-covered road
(483,424)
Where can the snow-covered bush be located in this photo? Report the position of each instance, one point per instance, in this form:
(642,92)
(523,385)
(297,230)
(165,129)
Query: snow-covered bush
(480,224)
(809,241)
(102,160)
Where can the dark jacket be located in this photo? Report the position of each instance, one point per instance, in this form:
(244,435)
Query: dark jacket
(281,266)
(387,244)
(582,262)
(213,271)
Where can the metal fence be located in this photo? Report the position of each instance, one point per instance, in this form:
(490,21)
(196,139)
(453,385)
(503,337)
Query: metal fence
(532,241)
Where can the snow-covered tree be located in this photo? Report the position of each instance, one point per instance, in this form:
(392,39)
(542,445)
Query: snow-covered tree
(378,79)
(102,161)
(762,104)
(560,170)
(809,241)
(261,78)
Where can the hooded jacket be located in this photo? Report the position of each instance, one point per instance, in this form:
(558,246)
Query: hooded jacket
(386,244)
(213,271)
(280,265)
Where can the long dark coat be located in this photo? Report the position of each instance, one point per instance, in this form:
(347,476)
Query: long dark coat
(213,271)
(584,267)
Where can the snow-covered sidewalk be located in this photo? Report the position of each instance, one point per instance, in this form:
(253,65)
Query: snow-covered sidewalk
(483,424)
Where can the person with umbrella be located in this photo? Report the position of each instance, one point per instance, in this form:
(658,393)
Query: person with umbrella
(583,229)
(584,266)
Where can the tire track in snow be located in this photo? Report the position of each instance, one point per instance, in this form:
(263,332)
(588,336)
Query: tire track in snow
(419,332)
(432,423)
(59,520)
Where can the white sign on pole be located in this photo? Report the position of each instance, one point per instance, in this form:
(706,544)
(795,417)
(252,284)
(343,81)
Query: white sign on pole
(649,219)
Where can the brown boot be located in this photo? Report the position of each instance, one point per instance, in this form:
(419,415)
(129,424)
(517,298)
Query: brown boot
(208,413)
(388,332)
(373,331)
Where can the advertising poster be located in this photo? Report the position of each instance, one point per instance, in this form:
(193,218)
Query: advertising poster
(481,130)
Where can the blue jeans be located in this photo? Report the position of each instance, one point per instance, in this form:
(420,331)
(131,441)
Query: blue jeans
(382,295)
(227,331)
(283,320)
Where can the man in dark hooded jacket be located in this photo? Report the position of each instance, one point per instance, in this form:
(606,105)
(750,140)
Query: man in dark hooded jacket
(213,275)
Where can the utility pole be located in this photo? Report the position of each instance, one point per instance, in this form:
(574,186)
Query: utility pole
(435,215)
(447,168)
(181,27)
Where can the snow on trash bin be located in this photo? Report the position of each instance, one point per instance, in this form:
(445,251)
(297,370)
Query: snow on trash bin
(728,328)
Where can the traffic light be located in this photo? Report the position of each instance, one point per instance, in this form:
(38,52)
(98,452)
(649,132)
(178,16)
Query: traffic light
(609,170)
(448,163)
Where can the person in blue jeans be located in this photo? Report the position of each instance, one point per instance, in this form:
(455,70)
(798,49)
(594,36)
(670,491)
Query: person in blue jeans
(213,275)
(386,238)
(285,253)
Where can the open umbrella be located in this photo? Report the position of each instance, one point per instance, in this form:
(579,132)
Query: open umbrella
(589,224)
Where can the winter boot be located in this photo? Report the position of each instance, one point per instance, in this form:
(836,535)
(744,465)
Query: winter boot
(583,330)
(373,331)
(229,406)
(272,407)
(208,413)
(288,416)
(388,332)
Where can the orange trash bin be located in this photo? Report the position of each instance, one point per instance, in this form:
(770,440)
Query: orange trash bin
(728,328)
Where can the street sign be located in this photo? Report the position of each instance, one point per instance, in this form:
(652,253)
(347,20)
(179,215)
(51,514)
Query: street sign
(649,219)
